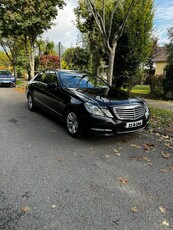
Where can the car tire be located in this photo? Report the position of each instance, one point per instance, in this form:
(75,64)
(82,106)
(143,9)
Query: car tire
(74,124)
(30,100)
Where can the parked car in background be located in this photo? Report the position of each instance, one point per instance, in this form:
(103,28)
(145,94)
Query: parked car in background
(86,103)
(7,79)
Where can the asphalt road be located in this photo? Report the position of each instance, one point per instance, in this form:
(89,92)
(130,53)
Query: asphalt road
(51,181)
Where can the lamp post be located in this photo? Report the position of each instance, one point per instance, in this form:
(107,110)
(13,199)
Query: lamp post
(60,51)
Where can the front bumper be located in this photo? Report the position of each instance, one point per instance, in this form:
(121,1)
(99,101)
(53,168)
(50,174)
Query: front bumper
(106,126)
(8,83)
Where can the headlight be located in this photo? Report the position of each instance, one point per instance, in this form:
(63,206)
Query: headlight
(106,112)
(95,110)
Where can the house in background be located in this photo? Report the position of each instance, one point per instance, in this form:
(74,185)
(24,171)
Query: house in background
(160,60)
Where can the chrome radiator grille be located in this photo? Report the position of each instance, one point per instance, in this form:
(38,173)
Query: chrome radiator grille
(129,112)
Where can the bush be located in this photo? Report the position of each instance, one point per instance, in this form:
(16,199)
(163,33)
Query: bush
(168,82)
(156,85)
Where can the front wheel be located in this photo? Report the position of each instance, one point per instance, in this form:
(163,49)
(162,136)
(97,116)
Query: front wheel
(74,124)
(31,105)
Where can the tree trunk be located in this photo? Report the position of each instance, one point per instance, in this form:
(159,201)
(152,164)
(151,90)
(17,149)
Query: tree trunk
(32,60)
(15,70)
(111,64)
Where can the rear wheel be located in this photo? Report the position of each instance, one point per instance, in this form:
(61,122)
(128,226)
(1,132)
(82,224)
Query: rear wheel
(74,124)
(31,105)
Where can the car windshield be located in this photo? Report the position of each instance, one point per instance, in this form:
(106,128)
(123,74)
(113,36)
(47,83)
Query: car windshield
(4,73)
(81,80)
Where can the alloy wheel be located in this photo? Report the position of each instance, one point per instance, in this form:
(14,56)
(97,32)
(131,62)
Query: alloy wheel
(72,123)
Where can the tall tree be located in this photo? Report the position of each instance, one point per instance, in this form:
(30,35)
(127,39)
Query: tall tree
(108,21)
(28,19)
(105,26)
(135,45)
(12,47)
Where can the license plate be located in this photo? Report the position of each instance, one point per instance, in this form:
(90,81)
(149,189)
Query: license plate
(133,124)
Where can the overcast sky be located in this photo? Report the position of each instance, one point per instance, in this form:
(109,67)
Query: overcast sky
(163,19)
(66,32)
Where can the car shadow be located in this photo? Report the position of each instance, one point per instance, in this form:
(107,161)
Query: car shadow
(90,138)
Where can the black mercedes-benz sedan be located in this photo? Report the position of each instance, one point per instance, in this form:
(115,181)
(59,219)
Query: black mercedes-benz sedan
(86,103)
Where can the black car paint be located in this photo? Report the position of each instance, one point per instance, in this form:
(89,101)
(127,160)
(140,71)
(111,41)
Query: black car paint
(58,100)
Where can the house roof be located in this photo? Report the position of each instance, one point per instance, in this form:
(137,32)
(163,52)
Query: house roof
(161,55)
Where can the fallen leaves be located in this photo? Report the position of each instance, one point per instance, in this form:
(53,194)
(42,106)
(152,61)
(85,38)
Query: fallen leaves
(26,209)
(148,146)
(123,181)
(165,155)
(162,209)
(168,169)
(137,158)
(136,146)
(165,223)
(116,152)
(134,209)
(164,170)
(169,129)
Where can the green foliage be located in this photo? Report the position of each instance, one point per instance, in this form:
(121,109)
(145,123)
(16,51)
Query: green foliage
(133,47)
(91,36)
(45,47)
(12,47)
(27,19)
(4,60)
(156,85)
(76,58)
(168,81)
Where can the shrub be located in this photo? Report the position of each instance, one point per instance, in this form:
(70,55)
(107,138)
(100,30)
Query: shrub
(168,82)
(156,85)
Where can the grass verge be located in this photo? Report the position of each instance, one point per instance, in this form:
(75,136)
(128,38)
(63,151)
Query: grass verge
(20,82)
(160,118)
(141,89)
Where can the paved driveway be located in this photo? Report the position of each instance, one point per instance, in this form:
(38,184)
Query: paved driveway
(167,105)
(51,181)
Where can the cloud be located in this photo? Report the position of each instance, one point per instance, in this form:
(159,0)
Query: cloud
(65,30)
(163,19)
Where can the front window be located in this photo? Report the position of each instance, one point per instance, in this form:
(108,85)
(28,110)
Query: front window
(81,80)
(5,73)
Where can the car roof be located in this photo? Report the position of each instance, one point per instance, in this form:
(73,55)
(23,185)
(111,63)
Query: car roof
(72,71)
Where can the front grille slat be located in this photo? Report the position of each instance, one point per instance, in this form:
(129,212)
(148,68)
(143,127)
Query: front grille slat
(129,112)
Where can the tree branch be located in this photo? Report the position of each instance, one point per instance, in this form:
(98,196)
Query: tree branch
(120,30)
(111,19)
(100,21)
